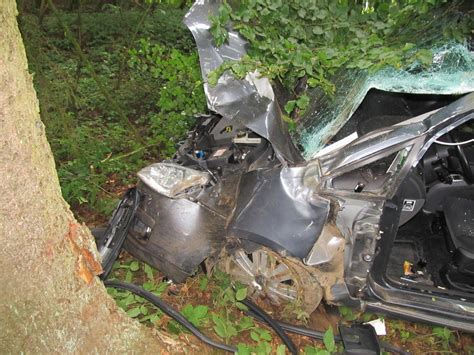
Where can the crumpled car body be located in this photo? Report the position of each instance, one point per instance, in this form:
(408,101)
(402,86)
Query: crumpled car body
(349,217)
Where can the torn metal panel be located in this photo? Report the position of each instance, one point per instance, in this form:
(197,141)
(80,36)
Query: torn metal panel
(250,101)
(275,208)
(174,235)
(327,247)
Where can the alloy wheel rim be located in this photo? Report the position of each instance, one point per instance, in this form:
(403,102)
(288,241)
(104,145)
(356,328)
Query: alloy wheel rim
(265,274)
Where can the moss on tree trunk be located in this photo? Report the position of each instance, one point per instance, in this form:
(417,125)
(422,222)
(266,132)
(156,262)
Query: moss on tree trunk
(50,299)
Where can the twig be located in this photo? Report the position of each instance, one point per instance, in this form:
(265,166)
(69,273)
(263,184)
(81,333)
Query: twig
(107,159)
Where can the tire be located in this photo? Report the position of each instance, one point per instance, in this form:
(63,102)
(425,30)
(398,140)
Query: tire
(270,277)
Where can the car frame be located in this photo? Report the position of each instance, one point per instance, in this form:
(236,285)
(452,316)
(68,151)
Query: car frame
(239,186)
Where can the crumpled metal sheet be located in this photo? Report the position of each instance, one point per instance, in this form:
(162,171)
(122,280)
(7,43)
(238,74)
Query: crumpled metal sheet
(278,208)
(250,101)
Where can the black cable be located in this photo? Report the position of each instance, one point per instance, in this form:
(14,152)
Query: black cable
(255,311)
(310,333)
(273,324)
(170,311)
(315,334)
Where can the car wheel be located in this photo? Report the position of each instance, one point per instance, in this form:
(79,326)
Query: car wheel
(271,277)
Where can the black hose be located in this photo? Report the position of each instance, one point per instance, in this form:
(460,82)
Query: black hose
(170,311)
(315,334)
(273,324)
(310,333)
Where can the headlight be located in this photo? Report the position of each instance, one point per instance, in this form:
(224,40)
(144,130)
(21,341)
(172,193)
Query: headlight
(172,179)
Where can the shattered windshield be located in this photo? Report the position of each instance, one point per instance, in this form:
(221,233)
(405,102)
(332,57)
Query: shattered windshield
(452,72)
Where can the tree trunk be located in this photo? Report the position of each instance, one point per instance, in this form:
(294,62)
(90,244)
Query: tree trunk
(50,298)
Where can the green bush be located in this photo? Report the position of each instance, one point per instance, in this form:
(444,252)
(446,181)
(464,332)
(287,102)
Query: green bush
(179,88)
(312,39)
(126,107)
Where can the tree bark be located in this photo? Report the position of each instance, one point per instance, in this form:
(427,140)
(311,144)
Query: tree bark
(50,300)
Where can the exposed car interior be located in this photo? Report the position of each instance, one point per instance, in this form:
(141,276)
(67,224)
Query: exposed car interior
(381,109)
(434,245)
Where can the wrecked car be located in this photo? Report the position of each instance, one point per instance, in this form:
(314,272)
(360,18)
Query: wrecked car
(381,218)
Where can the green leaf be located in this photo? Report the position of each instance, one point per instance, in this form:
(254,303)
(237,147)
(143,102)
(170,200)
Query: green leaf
(241,294)
(149,285)
(213,77)
(408,46)
(203,283)
(160,288)
(302,12)
(220,327)
(187,311)
(265,335)
(346,313)
(134,266)
(134,312)
(313,82)
(290,106)
(425,56)
(195,314)
(173,327)
(128,276)
(200,311)
(231,331)
(311,350)
(281,349)
(328,340)
(302,102)
(254,335)
(241,306)
(321,14)
(363,64)
(149,272)
(317,30)
(219,33)
(155,317)
(245,323)
(263,348)
(243,349)
(143,310)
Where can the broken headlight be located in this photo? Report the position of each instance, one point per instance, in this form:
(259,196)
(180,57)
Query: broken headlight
(172,179)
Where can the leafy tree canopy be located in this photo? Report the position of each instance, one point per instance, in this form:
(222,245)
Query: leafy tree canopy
(310,40)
